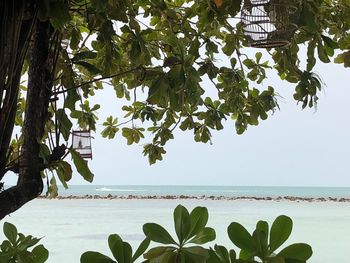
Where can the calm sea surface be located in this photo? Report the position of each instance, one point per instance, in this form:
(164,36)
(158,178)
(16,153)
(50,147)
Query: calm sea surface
(70,227)
(230,191)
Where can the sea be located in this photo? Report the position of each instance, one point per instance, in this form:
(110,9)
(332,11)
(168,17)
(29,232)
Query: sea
(198,191)
(68,227)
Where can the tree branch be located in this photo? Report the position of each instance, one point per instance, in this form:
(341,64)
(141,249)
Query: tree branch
(98,79)
(30,184)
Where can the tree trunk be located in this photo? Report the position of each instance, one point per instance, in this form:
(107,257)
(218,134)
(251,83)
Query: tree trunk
(30,184)
(17,19)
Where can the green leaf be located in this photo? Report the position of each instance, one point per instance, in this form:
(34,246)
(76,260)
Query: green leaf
(26,242)
(199,219)
(91,68)
(159,253)
(83,55)
(263,226)
(10,232)
(53,189)
(95,257)
(206,235)
(233,255)
(275,260)
(196,253)
(260,239)
(121,250)
(246,255)
(58,13)
(241,237)
(81,166)
(258,56)
(280,231)
(64,172)
(5,257)
(182,223)
(40,253)
(142,248)
(158,234)
(99,5)
(64,123)
(322,54)
(75,38)
(222,254)
(298,251)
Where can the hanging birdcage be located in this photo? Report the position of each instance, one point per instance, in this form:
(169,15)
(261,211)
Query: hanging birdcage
(269,23)
(82,143)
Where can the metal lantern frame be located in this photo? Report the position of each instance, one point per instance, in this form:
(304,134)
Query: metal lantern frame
(269,23)
(81,142)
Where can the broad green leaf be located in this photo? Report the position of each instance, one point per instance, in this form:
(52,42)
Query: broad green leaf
(64,172)
(81,166)
(222,253)
(64,124)
(206,235)
(5,257)
(298,251)
(280,231)
(10,232)
(241,237)
(275,260)
(199,219)
(91,68)
(246,256)
(214,258)
(84,55)
(158,234)
(41,254)
(182,222)
(196,254)
(58,13)
(260,239)
(121,250)
(158,252)
(233,255)
(142,248)
(264,227)
(95,257)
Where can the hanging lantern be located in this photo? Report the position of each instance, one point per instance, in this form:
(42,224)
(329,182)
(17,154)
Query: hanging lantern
(82,143)
(269,23)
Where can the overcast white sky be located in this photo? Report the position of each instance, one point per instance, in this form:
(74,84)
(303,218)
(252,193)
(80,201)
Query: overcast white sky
(293,147)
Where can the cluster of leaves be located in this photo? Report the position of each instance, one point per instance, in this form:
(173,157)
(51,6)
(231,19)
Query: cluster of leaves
(121,250)
(192,232)
(190,228)
(16,247)
(261,246)
(164,51)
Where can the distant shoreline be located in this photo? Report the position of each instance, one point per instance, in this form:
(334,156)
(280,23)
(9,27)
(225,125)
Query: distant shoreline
(203,197)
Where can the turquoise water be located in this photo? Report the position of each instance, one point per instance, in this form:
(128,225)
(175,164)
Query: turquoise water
(229,191)
(70,227)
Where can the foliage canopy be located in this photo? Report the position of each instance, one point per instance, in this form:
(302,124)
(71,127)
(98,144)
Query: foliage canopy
(157,55)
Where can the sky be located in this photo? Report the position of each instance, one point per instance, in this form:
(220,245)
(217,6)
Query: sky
(293,147)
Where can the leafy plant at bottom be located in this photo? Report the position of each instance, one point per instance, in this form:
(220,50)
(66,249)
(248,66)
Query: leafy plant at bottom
(121,250)
(15,248)
(190,228)
(261,246)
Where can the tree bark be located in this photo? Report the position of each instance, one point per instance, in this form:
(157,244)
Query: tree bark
(17,19)
(30,184)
